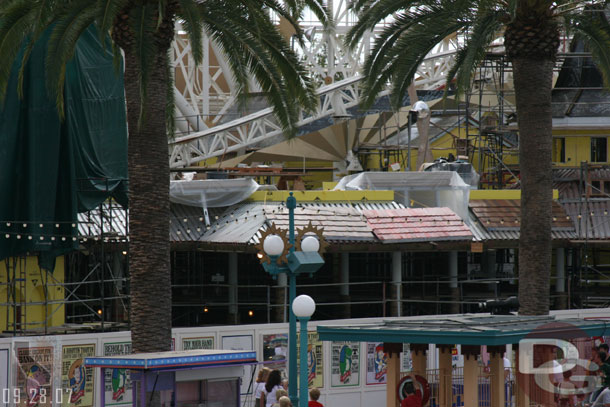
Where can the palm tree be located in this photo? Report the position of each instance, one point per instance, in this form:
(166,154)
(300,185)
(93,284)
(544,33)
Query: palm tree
(143,30)
(531,32)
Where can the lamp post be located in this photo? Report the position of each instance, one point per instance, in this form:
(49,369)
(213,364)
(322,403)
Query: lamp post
(293,256)
(303,307)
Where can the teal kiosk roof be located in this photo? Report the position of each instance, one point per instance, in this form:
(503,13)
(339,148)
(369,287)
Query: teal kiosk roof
(173,360)
(472,329)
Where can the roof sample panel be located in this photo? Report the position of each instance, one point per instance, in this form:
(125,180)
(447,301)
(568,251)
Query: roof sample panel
(407,225)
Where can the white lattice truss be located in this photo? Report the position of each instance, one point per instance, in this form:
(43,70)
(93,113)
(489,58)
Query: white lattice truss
(204,95)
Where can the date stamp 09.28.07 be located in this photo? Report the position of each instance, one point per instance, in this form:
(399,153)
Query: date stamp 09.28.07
(34,396)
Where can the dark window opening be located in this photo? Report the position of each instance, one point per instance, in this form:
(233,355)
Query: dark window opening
(599,147)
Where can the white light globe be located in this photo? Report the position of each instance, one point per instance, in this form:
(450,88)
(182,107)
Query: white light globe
(273,245)
(422,109)
(303,306)
(310,244)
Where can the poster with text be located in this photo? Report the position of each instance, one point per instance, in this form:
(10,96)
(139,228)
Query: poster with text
(204,342)
(406,363)
(34,375)
(241,342)
(275,350)
(345,364)
(117,382)
(315,363)
(75,377)
(376,363)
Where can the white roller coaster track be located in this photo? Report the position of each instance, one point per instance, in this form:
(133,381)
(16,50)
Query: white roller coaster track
(204,93)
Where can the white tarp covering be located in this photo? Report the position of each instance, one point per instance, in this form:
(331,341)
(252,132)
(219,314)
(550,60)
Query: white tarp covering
(415,189)
(211,193)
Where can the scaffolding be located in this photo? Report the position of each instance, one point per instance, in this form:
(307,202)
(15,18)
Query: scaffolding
(95,283)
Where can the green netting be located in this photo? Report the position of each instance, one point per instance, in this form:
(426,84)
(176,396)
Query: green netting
(49,169)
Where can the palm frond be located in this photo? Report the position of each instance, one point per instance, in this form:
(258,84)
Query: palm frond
(107,11)
(15,25)
(260,50)
(595,30)
(482,34)
(372,14)
(70,23)
(191,23)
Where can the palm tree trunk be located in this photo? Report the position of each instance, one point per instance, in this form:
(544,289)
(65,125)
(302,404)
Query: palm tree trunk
(533,85)
(148,208)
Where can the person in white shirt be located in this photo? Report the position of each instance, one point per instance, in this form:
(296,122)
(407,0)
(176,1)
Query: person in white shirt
(261,379)
(603,399)
(274,383)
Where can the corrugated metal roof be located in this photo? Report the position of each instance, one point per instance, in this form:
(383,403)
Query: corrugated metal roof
(481,234)
(114,222)
(417,225)
(591,218)
(589,215)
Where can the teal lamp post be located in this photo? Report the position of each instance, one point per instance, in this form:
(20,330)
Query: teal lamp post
(293,256)
(303,307)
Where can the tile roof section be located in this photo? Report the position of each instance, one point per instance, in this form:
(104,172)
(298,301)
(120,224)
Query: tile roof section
(505,214)
(417,225)
(500,220)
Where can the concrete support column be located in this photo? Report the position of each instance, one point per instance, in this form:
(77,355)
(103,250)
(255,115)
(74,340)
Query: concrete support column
(471,375)
(453,281)
(396,285)
(393,376)
(560,283)
(344,296)
(445,372)
(496,364)
(233,315)
(281,297)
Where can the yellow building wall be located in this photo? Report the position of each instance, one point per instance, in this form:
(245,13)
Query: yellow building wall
(441,146)
(577,147)
(30,308)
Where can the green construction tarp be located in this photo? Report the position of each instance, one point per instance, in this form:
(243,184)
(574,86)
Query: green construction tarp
(52,169)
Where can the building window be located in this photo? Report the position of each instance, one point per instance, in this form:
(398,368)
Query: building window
(599,148)
(559,150)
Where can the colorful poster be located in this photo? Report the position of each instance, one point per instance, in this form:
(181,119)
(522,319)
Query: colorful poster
(117,382)
(315,363)
(345,364)
(376,363)
(75,377)
(34,376)
(275,349)
(205,342)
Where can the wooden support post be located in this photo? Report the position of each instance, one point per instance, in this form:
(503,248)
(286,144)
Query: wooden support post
(471,374)
(393,350)
(444,375)
(420,361)
(522,385)
(496,359)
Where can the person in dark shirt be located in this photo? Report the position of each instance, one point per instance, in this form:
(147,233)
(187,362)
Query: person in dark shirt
(314,395)
(604,354)
(413,398)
